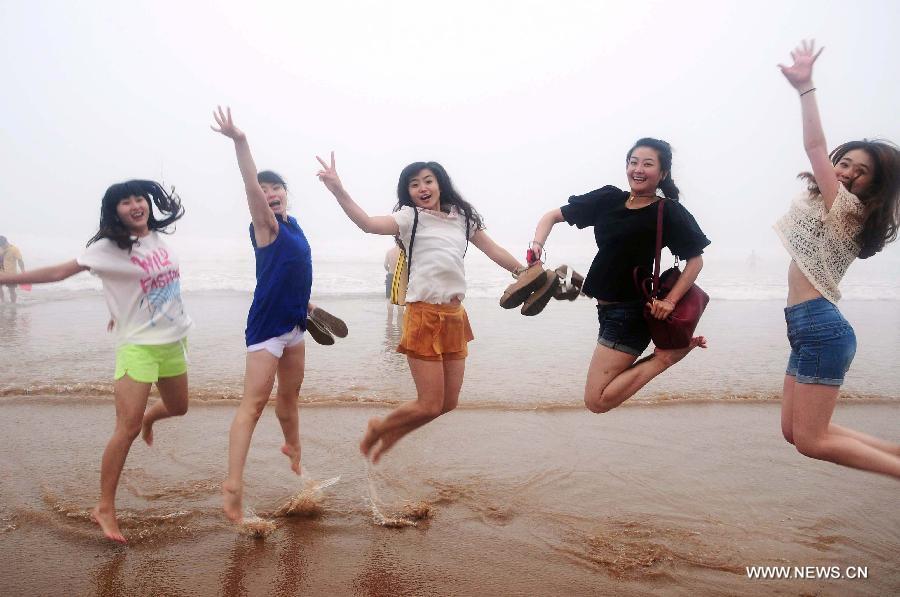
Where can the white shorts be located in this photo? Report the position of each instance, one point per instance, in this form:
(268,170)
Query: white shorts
(277,345)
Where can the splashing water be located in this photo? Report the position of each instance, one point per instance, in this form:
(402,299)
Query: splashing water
(409,515)
(308,501)
(254,526)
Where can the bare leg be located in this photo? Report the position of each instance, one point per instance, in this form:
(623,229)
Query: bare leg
(429,379)
(12,293)
(174,403)
(787,423)
(290,377)
(454,371)
(813,405)
(614,377)
(259,377)
(131,400)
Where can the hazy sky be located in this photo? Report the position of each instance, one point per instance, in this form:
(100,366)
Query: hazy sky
(525,103)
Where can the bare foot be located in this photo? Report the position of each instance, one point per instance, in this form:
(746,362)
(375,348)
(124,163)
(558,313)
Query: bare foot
(386,442)
(672,356)
(232,496)
(373,431)
(108,524)
(147,432)
(292,452)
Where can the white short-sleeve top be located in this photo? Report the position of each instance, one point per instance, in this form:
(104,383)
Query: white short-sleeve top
(438,274)
(142,288)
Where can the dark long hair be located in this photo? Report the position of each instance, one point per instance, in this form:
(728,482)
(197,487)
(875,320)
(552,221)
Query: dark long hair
(881,199)
(664,151)
(449,194)
(111,227)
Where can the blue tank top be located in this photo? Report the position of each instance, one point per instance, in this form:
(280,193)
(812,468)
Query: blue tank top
(283,283)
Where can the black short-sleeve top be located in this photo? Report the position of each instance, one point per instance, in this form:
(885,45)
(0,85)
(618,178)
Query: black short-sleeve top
(626,238)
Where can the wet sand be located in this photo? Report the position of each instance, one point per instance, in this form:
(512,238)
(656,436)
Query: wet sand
(660,500)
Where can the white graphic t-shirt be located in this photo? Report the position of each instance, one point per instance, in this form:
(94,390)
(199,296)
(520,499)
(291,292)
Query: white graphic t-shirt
(142,289)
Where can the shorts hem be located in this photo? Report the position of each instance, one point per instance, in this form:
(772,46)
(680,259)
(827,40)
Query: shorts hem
(823,381)
(619,347)
(117,376)
(450,356)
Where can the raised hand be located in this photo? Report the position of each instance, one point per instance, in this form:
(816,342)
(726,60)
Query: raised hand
(226,124)
(329,176)
(799,74)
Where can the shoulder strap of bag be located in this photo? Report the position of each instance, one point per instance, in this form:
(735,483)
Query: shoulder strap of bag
(412,239)
(659,235)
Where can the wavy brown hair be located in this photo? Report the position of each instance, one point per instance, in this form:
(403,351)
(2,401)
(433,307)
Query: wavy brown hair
(881,199)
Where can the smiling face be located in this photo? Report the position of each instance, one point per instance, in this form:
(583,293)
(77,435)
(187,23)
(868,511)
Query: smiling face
(644,171)
(134,212)
(424,190)
(855,169)
(276,196)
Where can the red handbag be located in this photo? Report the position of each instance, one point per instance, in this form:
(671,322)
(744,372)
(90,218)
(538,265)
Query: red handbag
(676,330)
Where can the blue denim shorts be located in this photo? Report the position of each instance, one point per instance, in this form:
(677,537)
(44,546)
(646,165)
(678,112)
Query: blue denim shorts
(623,327)
(822,342)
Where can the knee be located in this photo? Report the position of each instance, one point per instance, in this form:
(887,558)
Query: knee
(809,446)
(179,410)
(285,409)
(253,409)
(432,410)
(129,429)
(595,404)
(788,434)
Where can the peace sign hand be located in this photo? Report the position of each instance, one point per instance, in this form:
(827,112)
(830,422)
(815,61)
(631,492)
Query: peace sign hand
(226,124)
(329,176)
(799,74)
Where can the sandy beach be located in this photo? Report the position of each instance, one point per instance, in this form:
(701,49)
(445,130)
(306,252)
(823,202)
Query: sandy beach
(664,499)
(520,491)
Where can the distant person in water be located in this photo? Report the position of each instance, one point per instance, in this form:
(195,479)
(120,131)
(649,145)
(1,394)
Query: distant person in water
(10,258)
(142,286)
(851,209)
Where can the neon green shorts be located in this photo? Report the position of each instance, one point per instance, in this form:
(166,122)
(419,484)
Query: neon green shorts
(148,363)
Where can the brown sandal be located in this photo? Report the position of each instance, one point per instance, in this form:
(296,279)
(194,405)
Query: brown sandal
(539,299)
(526,283)
(570,283)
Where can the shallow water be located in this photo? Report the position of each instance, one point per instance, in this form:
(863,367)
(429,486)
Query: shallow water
(666,499)
(60,347)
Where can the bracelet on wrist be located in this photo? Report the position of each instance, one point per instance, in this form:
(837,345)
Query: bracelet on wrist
(810,90)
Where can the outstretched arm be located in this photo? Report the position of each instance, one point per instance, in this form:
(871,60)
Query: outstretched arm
(544,226)
(498,254)
(54,273)
(371,224)
(799,75)
(262,216)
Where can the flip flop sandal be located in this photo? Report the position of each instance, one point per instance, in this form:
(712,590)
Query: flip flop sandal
(319,332)
(333,324)
(539,299)
(570,284)
(526,283)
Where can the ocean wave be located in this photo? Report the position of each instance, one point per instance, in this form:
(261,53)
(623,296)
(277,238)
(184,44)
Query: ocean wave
(231,395)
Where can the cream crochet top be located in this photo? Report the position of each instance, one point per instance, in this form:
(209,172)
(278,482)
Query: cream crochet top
(821,242)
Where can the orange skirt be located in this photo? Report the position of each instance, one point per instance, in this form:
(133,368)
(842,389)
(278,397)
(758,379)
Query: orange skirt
(435,332)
